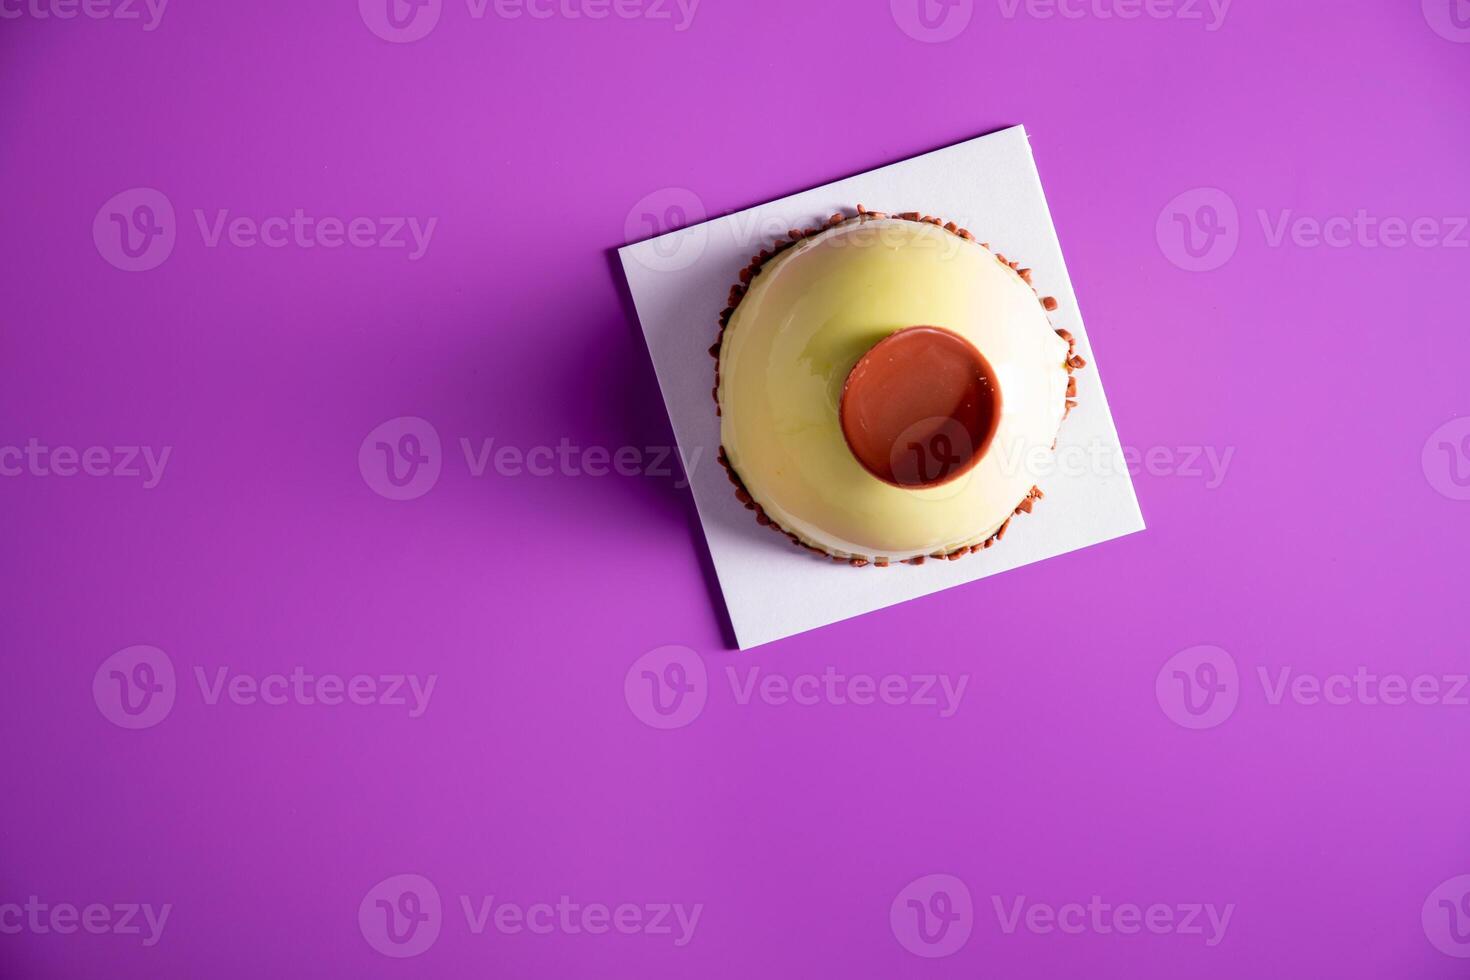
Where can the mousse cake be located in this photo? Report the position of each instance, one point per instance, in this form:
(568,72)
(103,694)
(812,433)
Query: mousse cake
(885,384)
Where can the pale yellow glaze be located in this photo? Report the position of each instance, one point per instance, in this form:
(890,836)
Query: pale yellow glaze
(808,317)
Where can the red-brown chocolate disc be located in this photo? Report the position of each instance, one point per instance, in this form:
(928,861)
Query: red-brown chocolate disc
(920,408)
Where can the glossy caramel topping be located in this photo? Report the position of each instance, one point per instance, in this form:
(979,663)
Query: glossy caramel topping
(920,408)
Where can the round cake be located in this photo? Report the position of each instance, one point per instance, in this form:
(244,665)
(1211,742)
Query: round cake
(886,385)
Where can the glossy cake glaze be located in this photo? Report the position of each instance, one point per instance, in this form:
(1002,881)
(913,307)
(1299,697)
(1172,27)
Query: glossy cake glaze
(894,332)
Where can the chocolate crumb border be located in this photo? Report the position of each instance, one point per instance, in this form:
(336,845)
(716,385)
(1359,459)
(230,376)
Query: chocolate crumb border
(1073,363)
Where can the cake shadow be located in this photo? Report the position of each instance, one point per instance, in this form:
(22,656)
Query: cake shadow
(641,399)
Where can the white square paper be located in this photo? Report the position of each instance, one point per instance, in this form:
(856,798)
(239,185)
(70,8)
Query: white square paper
(680,281)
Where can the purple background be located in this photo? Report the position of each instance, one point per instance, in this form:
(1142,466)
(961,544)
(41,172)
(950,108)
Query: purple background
(1326,547)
